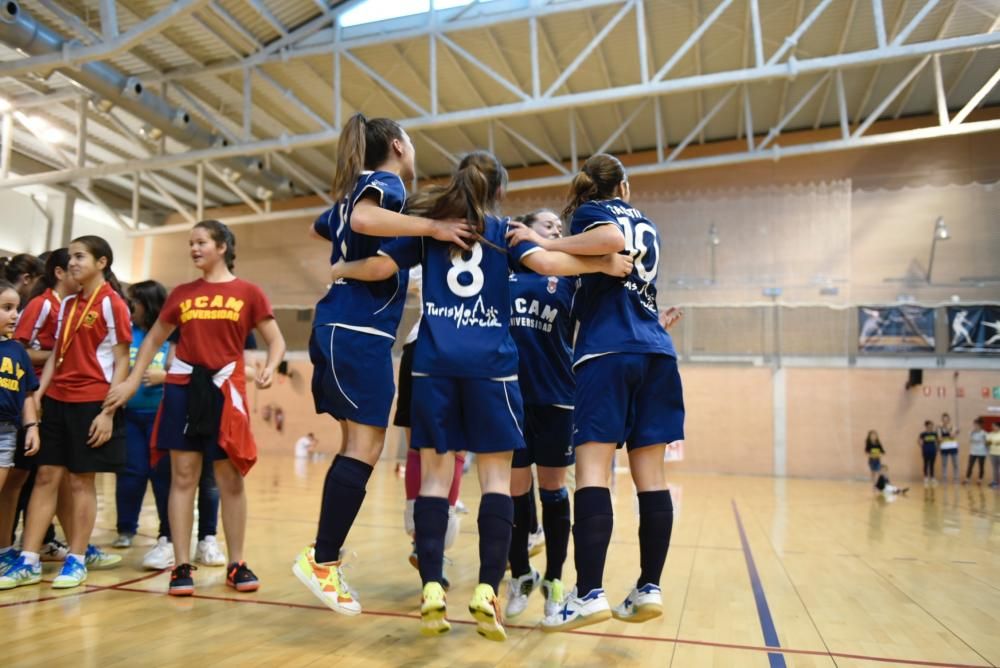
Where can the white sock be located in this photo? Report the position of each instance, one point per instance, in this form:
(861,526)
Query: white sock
(79,557)
(31,558)
(454,526)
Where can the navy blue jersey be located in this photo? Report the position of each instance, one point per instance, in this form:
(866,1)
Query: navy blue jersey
(465,331)
(374,307)
(620,315)
(17,378)
(542,327)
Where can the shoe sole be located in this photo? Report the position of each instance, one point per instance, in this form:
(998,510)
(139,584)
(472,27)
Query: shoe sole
(104,567)
(244,587)
(181,591)
(150,567)
(433,622)
(579,622)
(487,625)
(4,587)
(643,613)
(67,585)
(305,579)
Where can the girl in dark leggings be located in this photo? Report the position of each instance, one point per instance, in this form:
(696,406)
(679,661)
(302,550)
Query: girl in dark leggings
(928,441)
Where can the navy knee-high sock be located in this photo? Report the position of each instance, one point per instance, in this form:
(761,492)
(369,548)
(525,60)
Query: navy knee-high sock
(519,560)
(556,522)
(533,510)
(591,536)
(656,522)
(343,493)
(496,517)
(430,521)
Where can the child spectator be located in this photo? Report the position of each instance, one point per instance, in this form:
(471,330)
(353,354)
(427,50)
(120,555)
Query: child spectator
(977,450)
(874,450)
(928,441)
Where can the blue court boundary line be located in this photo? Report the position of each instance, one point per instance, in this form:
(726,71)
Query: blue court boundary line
(763,612)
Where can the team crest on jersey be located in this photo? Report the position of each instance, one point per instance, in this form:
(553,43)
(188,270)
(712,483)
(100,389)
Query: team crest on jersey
(553,284)
(90,319)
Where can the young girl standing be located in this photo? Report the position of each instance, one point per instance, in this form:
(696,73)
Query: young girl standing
(353,332)
(203,416)
(465,389)
(36,330)
(542,327)
(628,391)
(80,437)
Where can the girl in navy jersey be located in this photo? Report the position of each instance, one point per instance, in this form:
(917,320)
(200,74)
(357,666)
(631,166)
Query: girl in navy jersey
(203,416)
(628,391)
(465,389)
(353,332)
(79,436)
(542,327)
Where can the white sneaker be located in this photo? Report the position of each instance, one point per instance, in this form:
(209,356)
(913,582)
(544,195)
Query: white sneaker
(123,541)
(576,612)
(460,507)
(208,552)
(161,556)
(553,592)
(536,541)
(642,604)
(518,591)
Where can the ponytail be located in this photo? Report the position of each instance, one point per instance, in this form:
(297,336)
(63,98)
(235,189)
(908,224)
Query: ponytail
(364,144)
(221,234)
(597,179)
(473,192)
(57,259)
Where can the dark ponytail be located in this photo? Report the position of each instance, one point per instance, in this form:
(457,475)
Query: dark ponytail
(221,234)
(98,247)
(597,179)
(473,192)
(57,259)
(363,144)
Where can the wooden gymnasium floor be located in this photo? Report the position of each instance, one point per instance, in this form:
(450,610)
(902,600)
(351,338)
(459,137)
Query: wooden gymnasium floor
(762,572)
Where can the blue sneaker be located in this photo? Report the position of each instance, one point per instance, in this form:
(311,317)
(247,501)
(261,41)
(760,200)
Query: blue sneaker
(97,559)
(73,574)
(20,573)
(642,604)
(576,612)
(7,559)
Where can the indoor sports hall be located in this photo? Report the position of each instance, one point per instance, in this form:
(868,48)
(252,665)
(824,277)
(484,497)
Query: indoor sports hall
(818,185)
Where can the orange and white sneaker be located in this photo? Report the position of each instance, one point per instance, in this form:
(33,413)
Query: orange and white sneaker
(326,582)
(485,607)
(433,610)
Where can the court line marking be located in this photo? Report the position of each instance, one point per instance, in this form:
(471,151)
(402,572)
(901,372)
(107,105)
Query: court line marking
(87,589)
(596,634)
(763,611)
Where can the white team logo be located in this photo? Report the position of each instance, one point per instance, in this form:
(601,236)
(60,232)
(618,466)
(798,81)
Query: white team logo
(553,284)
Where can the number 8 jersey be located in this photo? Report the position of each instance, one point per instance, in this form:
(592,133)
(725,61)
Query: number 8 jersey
(620,315)
(465,330)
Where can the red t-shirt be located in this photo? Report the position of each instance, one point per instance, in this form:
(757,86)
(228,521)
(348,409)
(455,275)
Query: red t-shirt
(88,363)
(36,326)
(214,320)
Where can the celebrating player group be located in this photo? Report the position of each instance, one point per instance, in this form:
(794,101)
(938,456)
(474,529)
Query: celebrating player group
(495,370)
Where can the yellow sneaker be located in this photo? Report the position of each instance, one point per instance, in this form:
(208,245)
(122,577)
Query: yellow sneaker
(326,582)
(433,621)
(485,607)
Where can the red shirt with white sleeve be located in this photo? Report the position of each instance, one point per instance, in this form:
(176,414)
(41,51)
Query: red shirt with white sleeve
(36,326)
(85,364)
(214,320)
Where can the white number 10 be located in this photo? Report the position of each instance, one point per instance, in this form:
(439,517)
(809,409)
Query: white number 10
(635,244)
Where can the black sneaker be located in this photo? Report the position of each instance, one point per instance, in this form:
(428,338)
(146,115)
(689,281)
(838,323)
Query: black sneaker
(241,578)
(181,582)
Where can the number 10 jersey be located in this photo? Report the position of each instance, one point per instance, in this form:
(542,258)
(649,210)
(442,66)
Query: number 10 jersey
(465,330)
(620,315)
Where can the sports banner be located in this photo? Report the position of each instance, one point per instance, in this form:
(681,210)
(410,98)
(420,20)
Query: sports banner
(974,329)
(895,329)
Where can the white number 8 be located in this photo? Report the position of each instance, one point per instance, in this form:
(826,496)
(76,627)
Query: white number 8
(459,266)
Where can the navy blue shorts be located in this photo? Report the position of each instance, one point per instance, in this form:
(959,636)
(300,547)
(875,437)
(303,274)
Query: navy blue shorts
(352,375)
(548,433)
(628,398)
(875,465)
(173,417)
(475,414)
